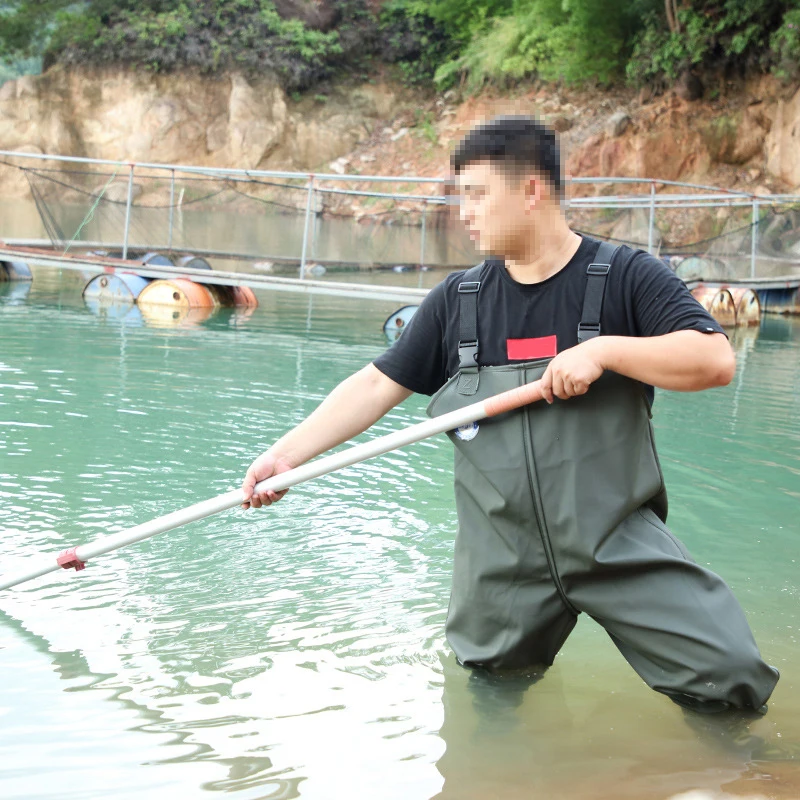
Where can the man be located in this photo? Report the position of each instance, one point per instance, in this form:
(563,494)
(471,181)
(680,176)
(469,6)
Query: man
(561,505)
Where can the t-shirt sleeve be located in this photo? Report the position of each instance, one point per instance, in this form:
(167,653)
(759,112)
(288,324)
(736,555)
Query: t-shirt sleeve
(660,302)
(417,359)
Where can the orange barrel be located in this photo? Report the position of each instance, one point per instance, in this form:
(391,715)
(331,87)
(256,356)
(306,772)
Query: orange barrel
(718,302)
(234,296)
(748,307)
(177,293)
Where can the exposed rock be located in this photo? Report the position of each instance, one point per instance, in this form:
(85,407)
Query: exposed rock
(735,139)
(561,123)
(783,141)
(618,123)
(257,119)
(184,118)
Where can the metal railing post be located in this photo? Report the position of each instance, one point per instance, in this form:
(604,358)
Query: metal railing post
(171,208)
(651,225)
(422,243)
(309,198)
(127,215)
(754,238)
(315,228)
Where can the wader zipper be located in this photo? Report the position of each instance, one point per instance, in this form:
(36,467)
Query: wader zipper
(539,511)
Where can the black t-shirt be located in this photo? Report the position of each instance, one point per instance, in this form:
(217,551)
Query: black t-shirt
(521,322)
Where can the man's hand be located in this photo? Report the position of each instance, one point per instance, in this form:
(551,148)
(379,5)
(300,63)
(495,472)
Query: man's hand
(572,371)
(265,466)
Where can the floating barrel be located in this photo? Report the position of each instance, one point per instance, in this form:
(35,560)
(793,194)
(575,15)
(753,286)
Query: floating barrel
(718,302)
(157,260)
(192,262)
(176,302)
(118,287)
(15,271)
(234,296)
(177,293)
(748,307)
(396,324)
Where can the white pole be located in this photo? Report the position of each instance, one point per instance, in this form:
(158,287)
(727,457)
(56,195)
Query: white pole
(309,198)
(754,239)
(652,221)
(128,215)
(75,557)
(171,209)
(422,243)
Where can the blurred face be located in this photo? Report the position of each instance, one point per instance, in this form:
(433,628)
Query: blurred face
(497,208)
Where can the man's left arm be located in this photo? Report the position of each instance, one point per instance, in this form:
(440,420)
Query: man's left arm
(673,342)
(683,361)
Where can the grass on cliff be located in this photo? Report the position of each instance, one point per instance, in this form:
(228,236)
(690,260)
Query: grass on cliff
(435,43)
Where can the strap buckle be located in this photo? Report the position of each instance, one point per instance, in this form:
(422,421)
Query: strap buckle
(598,269)
(468,287)
(467,354)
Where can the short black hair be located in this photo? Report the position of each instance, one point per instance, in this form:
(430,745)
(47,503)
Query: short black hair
(514,144)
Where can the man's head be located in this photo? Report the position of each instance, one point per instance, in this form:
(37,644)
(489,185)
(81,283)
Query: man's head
(508,171)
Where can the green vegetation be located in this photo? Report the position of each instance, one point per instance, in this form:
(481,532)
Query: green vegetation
(432,42)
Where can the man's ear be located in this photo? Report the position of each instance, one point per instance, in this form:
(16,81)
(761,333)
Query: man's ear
(534,191)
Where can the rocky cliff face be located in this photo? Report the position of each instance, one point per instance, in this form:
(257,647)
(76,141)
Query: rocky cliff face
(183,119)
(749,140)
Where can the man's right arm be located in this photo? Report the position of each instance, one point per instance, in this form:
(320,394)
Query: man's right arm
(352,407)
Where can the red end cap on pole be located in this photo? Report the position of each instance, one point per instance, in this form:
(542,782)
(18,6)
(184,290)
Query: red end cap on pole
(68,559)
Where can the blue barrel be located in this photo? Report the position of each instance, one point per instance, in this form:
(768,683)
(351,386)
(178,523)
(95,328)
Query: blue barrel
(396,324)
(15,271)
(192,262)
(157,260)
(119,287)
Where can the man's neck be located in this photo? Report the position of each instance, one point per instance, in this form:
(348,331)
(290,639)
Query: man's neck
(545,256)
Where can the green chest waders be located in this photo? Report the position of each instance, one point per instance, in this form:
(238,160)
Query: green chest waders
(561,509)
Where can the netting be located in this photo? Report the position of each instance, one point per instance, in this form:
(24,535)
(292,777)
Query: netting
(350,225)
(705,239)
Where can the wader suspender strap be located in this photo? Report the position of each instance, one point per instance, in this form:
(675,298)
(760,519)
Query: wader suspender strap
(468,331)
(596,275)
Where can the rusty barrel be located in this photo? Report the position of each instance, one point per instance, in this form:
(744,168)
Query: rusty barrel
(748,307)
(718,302)
(177,301)
(234,296)
(177,293)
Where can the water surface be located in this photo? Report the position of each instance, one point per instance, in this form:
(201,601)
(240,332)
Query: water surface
(298,651)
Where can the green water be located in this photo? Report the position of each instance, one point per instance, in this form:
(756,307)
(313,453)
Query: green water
(299,651)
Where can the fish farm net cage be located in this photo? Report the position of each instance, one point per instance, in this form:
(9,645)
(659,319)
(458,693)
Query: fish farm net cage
(275,221)
(272,221)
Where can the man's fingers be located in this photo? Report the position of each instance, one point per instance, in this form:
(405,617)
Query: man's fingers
(546,385)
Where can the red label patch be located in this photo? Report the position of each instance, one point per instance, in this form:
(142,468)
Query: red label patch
(531,349)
